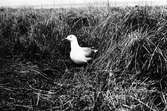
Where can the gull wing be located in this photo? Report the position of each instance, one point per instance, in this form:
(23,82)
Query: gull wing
(88,51)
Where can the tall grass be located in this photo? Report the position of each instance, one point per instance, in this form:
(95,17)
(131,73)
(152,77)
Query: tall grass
(127,74)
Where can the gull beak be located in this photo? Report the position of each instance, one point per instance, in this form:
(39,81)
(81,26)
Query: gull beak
(64,39)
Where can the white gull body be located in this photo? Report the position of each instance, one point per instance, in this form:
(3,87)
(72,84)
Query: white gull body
(79,55)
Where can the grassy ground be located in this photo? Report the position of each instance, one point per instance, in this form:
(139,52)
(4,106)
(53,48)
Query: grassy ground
(127,74)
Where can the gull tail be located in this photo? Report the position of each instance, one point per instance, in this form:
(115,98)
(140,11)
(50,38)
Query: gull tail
(94,50)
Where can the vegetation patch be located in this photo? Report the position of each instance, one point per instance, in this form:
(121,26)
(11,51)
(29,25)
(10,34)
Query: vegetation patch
(127,74)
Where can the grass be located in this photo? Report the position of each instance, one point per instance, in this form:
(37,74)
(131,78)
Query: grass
(127,74)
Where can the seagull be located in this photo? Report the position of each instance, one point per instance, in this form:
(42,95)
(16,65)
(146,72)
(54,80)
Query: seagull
(79,55)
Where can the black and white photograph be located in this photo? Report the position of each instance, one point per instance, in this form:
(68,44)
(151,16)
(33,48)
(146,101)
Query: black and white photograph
(83,55)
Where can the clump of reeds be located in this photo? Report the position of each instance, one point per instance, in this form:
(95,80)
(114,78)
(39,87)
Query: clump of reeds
(135,50)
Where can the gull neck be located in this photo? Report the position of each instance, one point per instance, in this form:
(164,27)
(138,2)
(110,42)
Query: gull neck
(74,44)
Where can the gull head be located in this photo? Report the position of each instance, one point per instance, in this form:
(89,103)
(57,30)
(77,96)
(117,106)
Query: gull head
(71,38)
